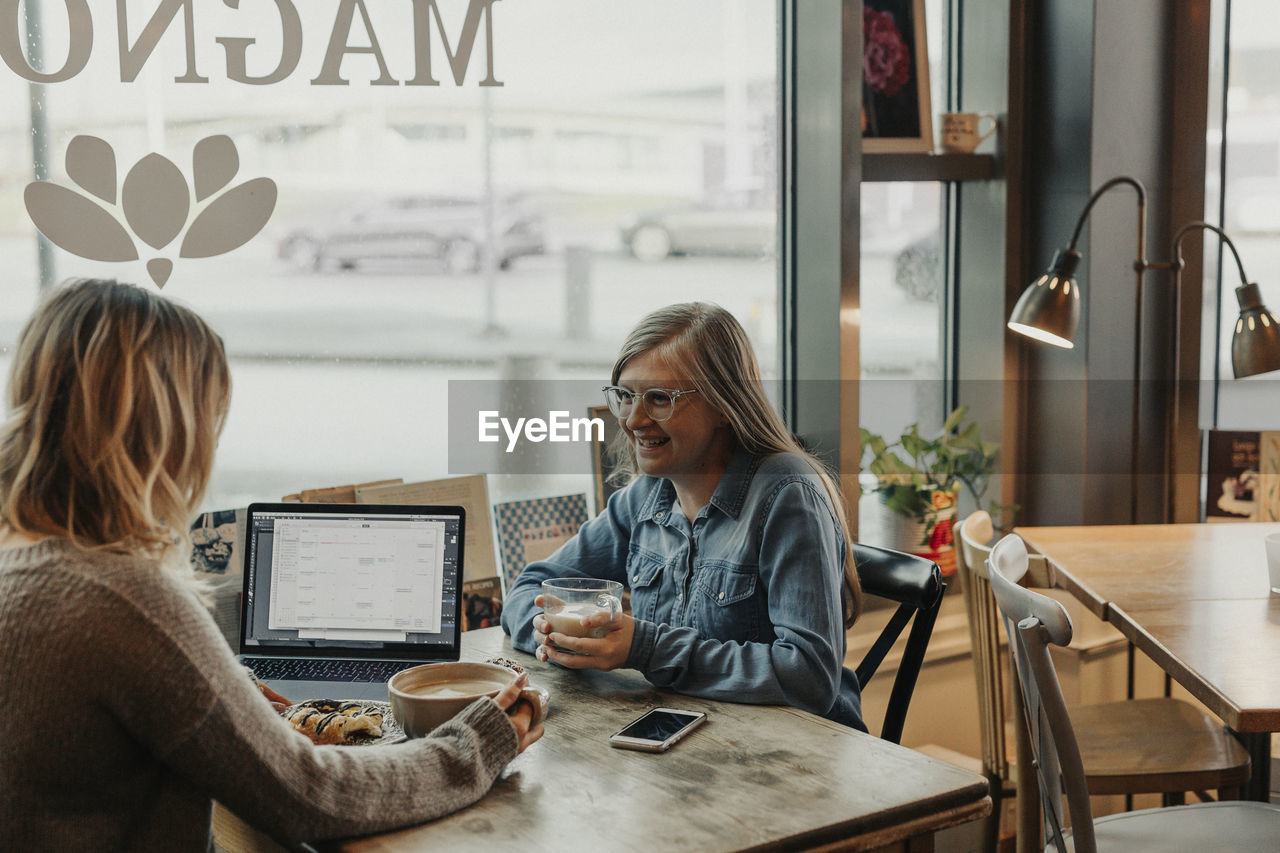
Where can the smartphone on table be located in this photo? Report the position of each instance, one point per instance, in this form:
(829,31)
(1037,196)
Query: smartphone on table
(658,730)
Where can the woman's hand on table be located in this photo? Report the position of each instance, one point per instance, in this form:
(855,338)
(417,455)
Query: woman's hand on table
(277,701)
(520,713)
(607,652)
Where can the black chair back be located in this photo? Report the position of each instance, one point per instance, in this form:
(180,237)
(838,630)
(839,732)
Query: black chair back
(916,584)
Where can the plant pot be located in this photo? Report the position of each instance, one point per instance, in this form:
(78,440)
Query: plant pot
(932,539)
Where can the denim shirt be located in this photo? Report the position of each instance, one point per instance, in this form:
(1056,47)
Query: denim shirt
(743,604)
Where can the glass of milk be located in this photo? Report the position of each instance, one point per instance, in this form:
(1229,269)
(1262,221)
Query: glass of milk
(568,602)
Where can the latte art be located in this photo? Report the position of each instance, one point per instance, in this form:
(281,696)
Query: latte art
(455,689)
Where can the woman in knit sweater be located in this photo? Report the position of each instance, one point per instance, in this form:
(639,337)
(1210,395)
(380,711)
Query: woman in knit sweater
(125,714)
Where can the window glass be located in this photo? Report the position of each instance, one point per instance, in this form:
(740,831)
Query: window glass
(902,290)
(1249,189)
(420,233)
(902,294)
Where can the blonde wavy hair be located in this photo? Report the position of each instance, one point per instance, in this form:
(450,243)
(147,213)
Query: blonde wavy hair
(116,399)
(708,344)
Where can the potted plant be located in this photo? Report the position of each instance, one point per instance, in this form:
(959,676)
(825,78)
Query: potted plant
(919,478)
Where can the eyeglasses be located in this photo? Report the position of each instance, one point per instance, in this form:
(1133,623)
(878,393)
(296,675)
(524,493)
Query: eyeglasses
(659,403)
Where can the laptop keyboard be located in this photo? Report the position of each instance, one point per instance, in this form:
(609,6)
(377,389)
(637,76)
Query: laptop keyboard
(303,669)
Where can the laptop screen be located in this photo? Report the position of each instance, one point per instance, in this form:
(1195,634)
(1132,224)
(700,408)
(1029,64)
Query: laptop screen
(353,580)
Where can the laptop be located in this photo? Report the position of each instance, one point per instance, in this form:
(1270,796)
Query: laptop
(340,597)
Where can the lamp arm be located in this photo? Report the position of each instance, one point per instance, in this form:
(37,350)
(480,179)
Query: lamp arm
(1205,226)
(1140,266)
(1177,265)
(1140,263)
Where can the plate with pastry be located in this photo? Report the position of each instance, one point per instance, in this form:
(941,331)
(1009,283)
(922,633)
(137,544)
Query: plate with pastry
(508,663)
(346,723)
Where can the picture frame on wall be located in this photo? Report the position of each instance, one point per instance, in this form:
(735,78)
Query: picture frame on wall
(895,78)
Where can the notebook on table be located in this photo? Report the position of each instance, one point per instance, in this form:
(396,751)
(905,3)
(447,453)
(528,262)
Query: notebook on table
(339,597)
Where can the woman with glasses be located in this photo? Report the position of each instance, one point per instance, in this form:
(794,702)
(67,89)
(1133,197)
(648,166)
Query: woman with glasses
(125,713)
(731,538)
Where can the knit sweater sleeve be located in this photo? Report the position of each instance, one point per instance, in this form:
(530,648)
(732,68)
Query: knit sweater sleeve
(214,729)
(279,782)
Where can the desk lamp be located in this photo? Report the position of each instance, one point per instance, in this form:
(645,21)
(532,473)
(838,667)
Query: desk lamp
(1049,310)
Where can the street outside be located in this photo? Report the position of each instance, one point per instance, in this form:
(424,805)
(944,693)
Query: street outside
(341,376)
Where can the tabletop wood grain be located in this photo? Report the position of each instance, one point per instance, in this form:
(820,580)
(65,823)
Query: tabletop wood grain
(1196,599)
(1224,652)
(752,778)
(1150,564)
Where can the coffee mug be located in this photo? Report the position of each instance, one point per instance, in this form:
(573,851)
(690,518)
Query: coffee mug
(566,602)
(423,697)
(960,134)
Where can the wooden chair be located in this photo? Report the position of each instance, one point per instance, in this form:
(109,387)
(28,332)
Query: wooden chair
(995,729)
(916,584)
(1033,622)
(1138,746)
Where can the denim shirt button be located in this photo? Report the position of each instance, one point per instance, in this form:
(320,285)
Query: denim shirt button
(659,516)
(721,595)
(635,578)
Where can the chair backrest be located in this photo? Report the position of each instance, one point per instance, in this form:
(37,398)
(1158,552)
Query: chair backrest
(984,637)
(972,550)
(916,584)
(1035,621)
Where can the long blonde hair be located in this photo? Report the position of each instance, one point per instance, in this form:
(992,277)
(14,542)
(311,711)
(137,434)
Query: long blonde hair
(116,399)
(708,342)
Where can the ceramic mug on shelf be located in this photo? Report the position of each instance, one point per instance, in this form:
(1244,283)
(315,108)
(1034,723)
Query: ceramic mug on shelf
(961,132)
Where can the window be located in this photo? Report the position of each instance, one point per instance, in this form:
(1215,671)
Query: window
(903,296)
(421,234)
(1243,194)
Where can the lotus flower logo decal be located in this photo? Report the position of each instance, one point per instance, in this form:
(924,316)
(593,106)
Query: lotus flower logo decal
(156,203)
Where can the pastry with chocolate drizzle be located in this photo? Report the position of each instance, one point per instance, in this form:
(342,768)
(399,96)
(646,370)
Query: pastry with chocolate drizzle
(328,721)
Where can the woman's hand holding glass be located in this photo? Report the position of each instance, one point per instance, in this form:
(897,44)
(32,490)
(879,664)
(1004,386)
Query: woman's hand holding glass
(608,651)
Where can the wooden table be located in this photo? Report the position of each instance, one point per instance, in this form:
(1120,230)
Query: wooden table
(1195,598)
(753,777)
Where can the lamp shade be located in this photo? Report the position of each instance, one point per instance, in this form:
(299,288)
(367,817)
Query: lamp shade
(1255,346)
(1049,309)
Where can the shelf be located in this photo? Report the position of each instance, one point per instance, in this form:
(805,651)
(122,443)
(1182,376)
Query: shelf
(928,167)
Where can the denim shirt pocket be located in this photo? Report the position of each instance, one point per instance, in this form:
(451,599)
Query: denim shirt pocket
(644,577)
(729,606)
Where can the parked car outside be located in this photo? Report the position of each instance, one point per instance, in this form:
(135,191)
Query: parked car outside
(731,224)
(445,231)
